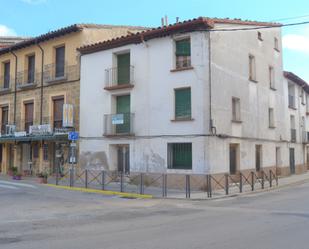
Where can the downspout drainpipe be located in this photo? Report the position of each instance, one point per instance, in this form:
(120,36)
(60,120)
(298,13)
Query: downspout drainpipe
(212,129)
(42,77)
(15,87)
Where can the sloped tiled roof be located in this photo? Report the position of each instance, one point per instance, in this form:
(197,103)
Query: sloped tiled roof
(61,32)
(200,23)
(6,41)
(296,79)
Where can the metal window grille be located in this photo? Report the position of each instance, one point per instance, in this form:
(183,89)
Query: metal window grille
(179,155)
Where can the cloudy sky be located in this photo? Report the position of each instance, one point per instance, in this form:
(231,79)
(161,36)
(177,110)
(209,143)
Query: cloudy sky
(34,17)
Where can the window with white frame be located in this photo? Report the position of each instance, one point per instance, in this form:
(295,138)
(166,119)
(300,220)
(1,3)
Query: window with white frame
(236,109)
(259,36)
(303,96)
(252,68)
(183,53)
(271,77)
(271,117)
(276,44)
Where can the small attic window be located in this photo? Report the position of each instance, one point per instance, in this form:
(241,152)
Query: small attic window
(259,34)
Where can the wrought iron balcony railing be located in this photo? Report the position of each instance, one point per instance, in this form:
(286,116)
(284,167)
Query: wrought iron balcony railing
(28,79)
(119,77)
(7,129)
(293,135)
(54,73)
(118,124)
(305,137)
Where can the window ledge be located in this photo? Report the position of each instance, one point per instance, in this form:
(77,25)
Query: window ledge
(276,49)
(119,135)
(272,127)
(26,86)
(236,121)
(5,90)
(292,107)
(272,88)
(255,81)
(116,87)
(181,69)
(183,170)
(182,119)
(56,80)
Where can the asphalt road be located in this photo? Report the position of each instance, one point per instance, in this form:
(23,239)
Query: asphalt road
(34,216)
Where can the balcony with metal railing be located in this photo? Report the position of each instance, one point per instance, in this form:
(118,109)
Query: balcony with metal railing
(5,84)
(305,137)
(119,78)
(293,135)
(55,73)
(118,124)
(28,79)
(7,129)
(292,101)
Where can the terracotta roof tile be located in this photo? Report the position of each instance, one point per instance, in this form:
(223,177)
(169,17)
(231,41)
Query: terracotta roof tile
(61,32)
(200,23)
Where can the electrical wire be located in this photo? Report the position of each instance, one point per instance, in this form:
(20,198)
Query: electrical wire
(260,27)
(290,18)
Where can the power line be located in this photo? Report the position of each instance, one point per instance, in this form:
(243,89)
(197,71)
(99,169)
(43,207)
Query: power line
(260,27)
(290,18)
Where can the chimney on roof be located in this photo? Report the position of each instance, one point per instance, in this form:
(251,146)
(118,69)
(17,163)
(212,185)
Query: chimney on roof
(162,22)
(166,20)
(177,19)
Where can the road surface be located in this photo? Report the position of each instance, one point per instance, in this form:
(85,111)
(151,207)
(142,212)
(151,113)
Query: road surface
(35,216)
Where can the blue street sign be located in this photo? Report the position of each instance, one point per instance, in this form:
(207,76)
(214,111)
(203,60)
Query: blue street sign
(73,135)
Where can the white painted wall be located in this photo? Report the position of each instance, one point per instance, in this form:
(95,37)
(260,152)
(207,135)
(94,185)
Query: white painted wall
(152,101)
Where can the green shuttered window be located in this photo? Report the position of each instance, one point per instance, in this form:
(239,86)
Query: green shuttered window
(123,68)
(180,156)
(123,107)
(183,48)
(183,53)
(183,103)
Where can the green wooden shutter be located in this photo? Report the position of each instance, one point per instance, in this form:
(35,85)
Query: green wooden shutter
(182,155)
(123,68)
(123,107)
(183,48)
(183,103)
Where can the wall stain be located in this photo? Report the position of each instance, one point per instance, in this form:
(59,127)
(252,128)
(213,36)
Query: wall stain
(94,160)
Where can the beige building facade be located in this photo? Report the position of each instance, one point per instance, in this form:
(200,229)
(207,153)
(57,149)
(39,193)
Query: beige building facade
(39,96)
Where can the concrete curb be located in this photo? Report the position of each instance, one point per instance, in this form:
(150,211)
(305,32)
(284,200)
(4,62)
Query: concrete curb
(103,192)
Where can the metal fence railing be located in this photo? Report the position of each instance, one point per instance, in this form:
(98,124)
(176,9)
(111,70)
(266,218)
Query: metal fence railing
(26,79)
(118,76)
(121,123)
(195,186)
(55,73)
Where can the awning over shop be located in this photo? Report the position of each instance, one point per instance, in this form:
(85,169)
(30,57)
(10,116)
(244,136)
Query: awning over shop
(58,137)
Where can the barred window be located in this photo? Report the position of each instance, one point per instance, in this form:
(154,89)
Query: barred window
(179,155)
